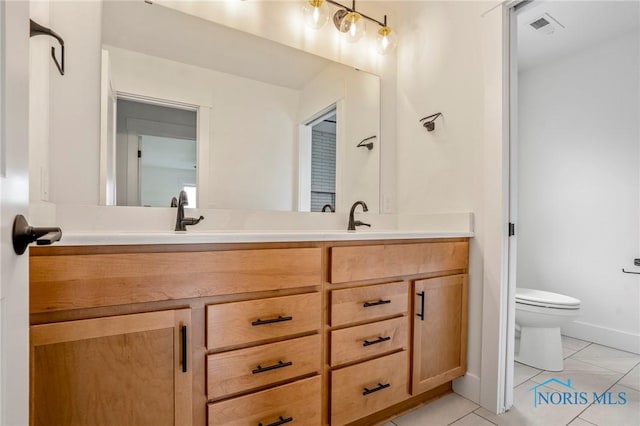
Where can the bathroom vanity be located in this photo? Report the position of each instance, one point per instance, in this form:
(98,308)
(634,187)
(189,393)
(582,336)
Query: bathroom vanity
(304,332)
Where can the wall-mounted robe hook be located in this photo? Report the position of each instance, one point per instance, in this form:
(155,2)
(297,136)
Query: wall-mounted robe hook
(429,123)
(369,145)
(37,29)
(636,262)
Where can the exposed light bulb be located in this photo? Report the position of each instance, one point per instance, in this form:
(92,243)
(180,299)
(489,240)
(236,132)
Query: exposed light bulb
(315,14)
(386,40)
(353,26)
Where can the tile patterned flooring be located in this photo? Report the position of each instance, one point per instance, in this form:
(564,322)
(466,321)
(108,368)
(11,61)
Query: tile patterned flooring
(591,368)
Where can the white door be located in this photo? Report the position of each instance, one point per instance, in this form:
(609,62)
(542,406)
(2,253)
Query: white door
(14,199)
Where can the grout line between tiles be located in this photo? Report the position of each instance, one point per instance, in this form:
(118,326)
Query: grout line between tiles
(605,368)
(629,372)
(483,417)
(586,421)
(580,350)
(462,417)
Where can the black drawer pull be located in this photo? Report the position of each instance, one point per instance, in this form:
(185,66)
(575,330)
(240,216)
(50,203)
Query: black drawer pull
(280,364)
(380,386)
(379,302)
(378,340)
(271,321)
(421,314)
(281,420)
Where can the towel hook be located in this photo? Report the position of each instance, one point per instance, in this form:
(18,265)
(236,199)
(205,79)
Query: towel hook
(429,124)
(37,29)
(636,262)
(369,145)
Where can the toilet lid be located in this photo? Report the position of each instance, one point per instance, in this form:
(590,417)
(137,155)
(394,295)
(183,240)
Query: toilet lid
(546,299)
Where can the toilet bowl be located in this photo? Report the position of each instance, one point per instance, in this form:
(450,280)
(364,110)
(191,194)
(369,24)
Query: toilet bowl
(539,316)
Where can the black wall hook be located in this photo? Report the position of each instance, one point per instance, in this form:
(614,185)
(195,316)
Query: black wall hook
(36,30)
(429,124)
(636,262)
(369,145)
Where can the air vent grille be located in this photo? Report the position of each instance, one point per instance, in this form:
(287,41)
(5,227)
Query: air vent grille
(539,23)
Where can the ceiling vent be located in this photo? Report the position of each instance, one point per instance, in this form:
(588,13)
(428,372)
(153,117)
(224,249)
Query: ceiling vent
(546,24)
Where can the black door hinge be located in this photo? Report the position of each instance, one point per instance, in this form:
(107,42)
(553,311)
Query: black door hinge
(512,229)
(139,154)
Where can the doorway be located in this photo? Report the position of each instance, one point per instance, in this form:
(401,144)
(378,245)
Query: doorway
(575,187)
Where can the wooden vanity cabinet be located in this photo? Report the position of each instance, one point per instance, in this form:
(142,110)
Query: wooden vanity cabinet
(439,331)
(390,295)
(310,333)
(121,370)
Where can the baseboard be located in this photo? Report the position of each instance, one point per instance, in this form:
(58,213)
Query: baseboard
(618,339)
(468,386)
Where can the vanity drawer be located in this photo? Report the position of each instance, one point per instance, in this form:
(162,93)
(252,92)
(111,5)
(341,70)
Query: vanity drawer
(353,343)
(365,388)
(358,263)
(61,282)
(233,372)
(299,400)
(368,303)
(239,323)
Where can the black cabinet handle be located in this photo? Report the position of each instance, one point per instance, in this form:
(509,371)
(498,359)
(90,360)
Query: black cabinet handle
(378,340)
(271,321)
(281,420)
(380,386)
(280,364)
(184,348)
(421,314)
(379,302)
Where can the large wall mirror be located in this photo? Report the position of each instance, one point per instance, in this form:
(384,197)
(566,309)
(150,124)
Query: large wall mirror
(237,121)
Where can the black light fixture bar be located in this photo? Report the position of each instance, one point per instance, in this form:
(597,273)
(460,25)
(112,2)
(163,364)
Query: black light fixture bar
(353,9)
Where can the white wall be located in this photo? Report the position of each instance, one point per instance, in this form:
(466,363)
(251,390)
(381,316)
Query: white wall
(579,186)
(253,129)
(40,72)
(440,70)
(74,130)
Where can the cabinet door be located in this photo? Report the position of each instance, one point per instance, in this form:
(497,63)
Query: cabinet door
(439,331)
(121,370)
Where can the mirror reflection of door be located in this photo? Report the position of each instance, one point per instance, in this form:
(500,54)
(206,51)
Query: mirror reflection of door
(318,164)
(155,154)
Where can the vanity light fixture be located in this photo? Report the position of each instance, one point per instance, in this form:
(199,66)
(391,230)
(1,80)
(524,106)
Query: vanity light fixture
(349,22)
(429,123)
(316,13)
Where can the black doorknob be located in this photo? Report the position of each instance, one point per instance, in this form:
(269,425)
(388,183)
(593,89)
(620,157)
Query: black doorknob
(24,234)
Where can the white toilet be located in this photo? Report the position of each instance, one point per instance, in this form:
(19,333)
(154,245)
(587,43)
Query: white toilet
(539,316)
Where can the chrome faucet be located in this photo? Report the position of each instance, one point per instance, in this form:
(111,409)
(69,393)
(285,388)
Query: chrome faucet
(181,221)
(327,206)
(353,223)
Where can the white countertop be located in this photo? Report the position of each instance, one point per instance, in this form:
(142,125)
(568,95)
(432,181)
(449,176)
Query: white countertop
(244,236)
